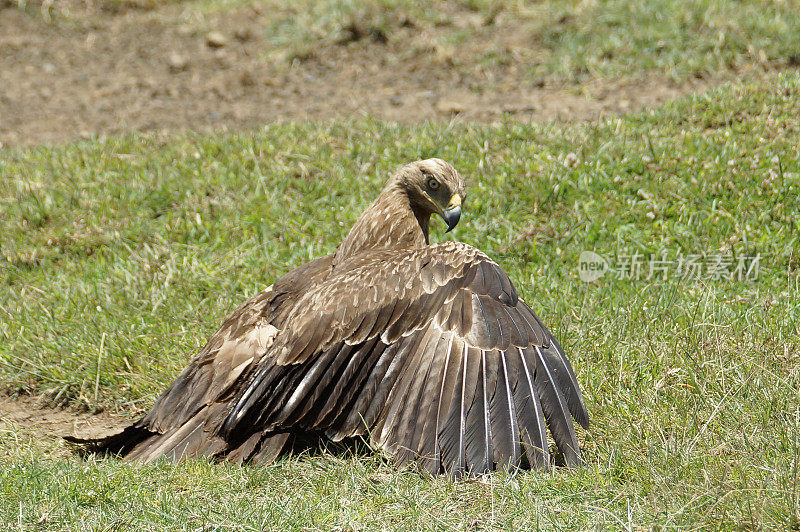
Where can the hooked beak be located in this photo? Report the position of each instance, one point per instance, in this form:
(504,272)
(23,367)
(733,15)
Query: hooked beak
(453,213)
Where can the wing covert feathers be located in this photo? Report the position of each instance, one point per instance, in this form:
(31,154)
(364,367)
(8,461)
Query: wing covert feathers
(429,353)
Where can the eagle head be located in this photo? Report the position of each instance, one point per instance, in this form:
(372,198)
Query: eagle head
(434,186)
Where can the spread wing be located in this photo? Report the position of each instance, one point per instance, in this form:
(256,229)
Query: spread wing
(239,344)
(430,353)
(196,399)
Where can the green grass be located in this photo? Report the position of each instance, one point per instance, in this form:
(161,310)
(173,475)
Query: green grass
(120,257)
(680,38)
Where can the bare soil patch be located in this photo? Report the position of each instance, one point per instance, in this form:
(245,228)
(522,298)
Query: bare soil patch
(107,71)
(43,421)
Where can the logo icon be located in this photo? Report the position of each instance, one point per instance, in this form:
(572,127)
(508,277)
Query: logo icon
(591,266)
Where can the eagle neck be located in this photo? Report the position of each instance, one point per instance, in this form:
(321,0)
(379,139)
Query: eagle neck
(391,222)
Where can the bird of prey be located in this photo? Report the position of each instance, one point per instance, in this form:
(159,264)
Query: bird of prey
(424,350)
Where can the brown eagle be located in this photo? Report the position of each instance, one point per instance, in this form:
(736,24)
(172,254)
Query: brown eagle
(424,350)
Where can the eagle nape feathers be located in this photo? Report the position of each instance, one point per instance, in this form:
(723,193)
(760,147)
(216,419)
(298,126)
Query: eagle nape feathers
(424,350)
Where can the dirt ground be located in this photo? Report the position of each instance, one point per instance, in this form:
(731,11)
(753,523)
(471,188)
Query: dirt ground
(101,72)
(41,420)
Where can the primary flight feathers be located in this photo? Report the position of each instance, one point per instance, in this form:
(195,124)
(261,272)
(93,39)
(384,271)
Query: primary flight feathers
(425,350)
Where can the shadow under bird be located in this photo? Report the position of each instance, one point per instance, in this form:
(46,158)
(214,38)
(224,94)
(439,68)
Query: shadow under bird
(424,350)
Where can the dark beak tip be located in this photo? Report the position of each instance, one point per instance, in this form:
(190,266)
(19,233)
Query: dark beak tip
(451,218)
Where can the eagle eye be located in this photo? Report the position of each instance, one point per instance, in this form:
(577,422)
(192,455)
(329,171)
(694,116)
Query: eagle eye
(433,184)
